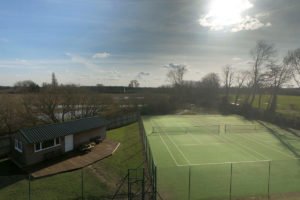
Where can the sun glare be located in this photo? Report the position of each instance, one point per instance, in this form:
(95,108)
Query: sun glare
(225,13)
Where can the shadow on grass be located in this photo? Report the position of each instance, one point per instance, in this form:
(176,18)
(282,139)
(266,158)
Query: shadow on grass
(283,142)
(10,173)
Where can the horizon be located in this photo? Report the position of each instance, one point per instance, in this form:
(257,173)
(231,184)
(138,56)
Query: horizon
(112,42)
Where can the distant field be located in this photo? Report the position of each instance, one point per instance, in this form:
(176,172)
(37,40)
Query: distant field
(100,180)
(288,105)
(215,157)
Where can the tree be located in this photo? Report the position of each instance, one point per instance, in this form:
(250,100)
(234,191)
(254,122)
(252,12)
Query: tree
(134,84)
(228,75)
(54,81)
(278,76)
(10,110)
(262,54)
(240,78)
(46,104)
(26,86)
(176,74)
(293,59)
(209,86)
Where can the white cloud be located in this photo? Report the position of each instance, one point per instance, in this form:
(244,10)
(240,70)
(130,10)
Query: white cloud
(142,75)
(236,59)
(229,15)
(84,61)
(101,55)
(174,66)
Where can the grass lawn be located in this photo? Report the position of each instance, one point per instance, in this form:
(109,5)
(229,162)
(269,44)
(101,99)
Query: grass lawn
(200,156)
(287,105)
(100,180)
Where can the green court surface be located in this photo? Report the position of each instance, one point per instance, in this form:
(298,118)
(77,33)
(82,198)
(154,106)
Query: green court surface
(223,157)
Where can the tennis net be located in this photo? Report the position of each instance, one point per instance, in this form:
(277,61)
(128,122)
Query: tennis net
(244,128)
(180,130)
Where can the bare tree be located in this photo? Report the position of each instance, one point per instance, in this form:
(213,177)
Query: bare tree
(68,101)
(262,54)
(176,74)
(228,75)
(293,59)
(240,79)
(278,76)
(10,113)
(134,84)
(46,104)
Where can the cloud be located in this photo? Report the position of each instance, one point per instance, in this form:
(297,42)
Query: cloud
(249,23)
(174,66)
(84,61)
(236,59)
(101,55)
(141,75)
(229,16)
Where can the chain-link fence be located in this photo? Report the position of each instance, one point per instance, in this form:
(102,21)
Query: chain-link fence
(243,180)
(79,184)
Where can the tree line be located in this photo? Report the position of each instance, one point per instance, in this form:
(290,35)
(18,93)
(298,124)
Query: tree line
(266,74)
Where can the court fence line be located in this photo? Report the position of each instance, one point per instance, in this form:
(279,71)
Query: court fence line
(265,187)
(264,182)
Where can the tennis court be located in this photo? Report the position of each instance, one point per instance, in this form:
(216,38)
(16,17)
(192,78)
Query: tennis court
(222,157)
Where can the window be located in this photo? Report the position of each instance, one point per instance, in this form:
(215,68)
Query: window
(57,140)
(37,146)
(18,145)
(46,144)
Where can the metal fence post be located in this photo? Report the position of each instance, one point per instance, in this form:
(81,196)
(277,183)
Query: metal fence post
(189,194)
(269,178)
(29,187)
(82,193)
(230,186)
(155,183)
(143,185)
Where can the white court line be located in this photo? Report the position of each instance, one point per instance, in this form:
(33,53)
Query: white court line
(249,149)
(222,163)
(206,144)
(264,145)
(167,147)
(194,137)
(178,149)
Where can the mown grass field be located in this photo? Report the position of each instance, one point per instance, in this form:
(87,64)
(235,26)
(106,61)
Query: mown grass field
(100,180)
(223,157)
(287,105)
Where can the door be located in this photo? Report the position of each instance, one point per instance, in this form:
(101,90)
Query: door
(69,145)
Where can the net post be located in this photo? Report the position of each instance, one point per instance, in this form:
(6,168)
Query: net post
(189,194)
(230,185)
(269,179)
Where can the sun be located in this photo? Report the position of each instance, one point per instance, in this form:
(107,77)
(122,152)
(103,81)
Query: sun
(224,13)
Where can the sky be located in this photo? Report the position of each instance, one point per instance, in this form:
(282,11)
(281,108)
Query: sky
(111,42)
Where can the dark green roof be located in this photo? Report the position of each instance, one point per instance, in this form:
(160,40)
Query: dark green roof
(50,131)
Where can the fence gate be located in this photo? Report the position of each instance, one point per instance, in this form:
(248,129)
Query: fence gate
(136,184)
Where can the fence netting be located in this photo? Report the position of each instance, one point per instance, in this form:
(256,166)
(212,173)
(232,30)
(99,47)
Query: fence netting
(244,180)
